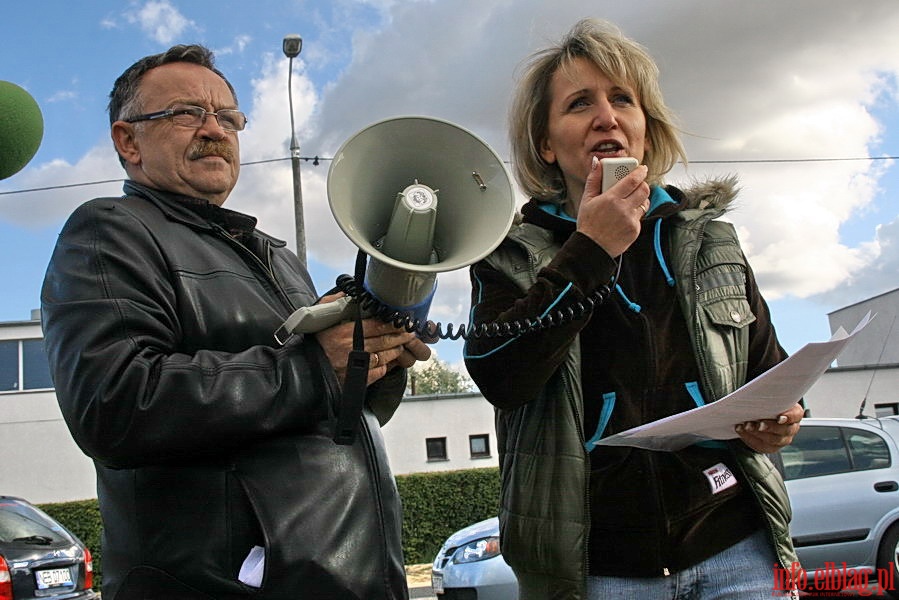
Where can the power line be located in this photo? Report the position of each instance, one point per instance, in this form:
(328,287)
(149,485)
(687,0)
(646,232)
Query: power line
(790,160)
(316,160)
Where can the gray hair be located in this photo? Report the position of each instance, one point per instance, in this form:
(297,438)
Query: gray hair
(124,99)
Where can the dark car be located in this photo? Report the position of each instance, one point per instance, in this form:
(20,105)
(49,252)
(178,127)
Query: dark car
(39,558)
(842,476)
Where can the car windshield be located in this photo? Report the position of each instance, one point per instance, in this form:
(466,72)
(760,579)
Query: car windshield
(22,523)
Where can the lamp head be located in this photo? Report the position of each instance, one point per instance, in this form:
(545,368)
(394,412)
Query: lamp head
(292,45)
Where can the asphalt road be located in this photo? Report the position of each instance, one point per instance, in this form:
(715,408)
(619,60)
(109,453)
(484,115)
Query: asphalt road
(422,593)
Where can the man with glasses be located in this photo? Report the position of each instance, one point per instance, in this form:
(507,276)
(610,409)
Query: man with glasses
(217,472)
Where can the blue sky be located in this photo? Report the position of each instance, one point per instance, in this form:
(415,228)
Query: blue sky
(796,80)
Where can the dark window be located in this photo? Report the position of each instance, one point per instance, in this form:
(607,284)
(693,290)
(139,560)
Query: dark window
(35,368)
(828,450)
(9,365)
(436,448)
(479,445)
(868,449)
(18,520)
(815,451)
(886,410)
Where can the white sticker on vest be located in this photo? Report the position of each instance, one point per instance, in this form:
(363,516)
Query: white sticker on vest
(720,478)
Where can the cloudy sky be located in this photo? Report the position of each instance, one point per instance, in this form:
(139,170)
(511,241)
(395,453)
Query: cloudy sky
(796,97)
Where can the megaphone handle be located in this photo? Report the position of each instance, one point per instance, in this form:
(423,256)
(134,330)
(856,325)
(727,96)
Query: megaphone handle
(315,318)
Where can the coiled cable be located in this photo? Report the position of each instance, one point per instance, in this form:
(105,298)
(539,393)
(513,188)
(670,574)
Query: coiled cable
(372,306)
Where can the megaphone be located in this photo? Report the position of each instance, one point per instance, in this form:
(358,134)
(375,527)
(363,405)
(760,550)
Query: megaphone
(21,128)
(419,196)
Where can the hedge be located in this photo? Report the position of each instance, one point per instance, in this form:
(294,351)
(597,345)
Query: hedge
(437,504)
(434,506)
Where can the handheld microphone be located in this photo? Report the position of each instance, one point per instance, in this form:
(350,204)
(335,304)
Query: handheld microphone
(21,128)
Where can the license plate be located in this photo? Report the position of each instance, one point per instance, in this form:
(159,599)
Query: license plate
(437,582)
(50,578)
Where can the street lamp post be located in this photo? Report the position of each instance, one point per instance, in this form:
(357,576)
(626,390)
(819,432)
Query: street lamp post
(291,46)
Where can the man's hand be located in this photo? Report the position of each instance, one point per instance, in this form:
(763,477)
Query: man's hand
(770,435)
(389,346)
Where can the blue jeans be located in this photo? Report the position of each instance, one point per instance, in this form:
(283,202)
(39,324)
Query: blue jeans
(745,571)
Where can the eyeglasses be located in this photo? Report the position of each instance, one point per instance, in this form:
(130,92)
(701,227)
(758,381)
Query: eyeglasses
(194,116)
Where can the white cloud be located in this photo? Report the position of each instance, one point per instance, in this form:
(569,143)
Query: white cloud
(37,208)
(237,46)
(161,21)
(62,96)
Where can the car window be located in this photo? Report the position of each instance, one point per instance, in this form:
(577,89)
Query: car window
(826,450)
(19,522)
(868,450)
(815,451)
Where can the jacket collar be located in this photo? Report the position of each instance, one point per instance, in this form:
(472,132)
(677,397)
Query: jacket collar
(197,212)
(175,206)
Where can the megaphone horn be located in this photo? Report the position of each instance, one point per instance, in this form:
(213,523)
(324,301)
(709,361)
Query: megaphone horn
(419,196)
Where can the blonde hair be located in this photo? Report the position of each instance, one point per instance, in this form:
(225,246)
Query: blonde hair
(619,58)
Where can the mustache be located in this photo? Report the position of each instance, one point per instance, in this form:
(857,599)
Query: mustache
(203,148)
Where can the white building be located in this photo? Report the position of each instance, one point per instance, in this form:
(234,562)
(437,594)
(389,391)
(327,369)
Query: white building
(865,379)
(444,432)
(40,461)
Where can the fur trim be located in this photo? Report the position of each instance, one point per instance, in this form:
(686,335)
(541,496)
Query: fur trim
(712,193)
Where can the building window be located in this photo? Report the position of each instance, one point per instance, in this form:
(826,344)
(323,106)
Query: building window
(479,445)
(9,365)
(35,368)
(886,410)
(24,366)
(436,448)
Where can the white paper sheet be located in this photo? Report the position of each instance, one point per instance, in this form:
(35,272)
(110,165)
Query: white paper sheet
(764,397)
(253,567)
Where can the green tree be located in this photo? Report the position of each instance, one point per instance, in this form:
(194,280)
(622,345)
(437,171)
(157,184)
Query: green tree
(437,377)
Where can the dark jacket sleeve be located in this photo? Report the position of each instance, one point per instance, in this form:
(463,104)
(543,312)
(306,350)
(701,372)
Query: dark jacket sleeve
(765,350)
(510,371)
(134,386)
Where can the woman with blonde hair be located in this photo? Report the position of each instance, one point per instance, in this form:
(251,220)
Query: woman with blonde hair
(673,319)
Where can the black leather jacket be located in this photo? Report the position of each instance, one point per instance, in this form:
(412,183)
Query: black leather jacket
(208,437)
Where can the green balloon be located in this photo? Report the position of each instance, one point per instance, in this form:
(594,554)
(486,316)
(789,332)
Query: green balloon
(21,128)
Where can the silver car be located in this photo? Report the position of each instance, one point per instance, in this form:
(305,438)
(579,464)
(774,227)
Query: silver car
(469,566)
(843,479)
(842,476)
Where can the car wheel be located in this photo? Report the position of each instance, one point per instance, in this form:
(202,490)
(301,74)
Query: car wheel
(888,556)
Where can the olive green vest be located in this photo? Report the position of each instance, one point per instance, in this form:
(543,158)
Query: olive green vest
(544,516)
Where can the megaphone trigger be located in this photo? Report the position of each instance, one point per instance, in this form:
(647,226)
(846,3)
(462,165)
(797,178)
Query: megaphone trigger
(315,318)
